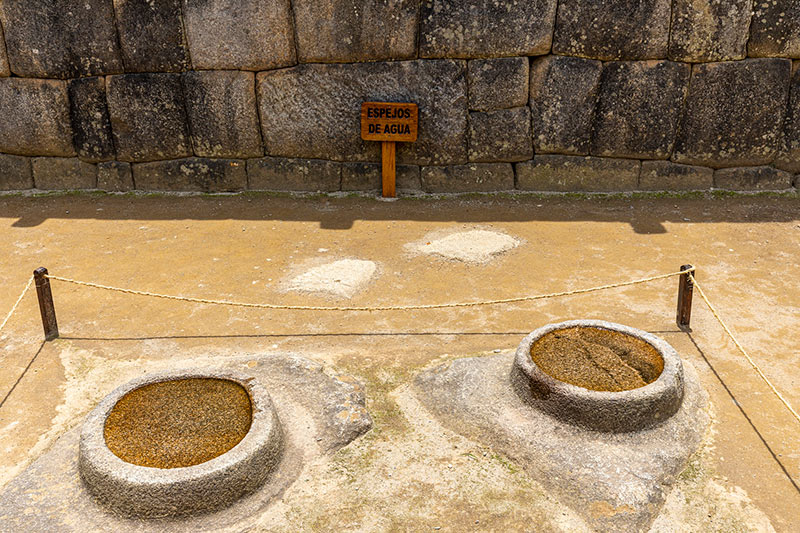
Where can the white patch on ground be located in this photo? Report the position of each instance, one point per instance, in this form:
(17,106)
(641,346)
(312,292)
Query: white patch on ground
(471,246)
(341,278)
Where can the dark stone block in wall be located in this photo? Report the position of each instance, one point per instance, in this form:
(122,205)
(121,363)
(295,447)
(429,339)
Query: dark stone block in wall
(239,34)
(191,174)
(343,31)
(669,176)
(734,113)
(752,179)
(367,177)
(497,83)
(91,125)
(566,173)
(60,38)
(34,117)
(563,96)
(223,119)
(789,155)
(638,108)
(486,28)
(282,174)
(709,30)
(475,177)
(612,29)
(502,135)
(321,119)
(15,173)
(114,176)
(63,173)
(151,35)
(148,117)
(775,29)
(4,68)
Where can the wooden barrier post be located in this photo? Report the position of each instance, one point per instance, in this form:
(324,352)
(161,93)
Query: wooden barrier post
(46,306)
(685,292)
(389,123)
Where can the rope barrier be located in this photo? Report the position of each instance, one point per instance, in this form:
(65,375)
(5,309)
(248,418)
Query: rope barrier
(742,350)
(14,307)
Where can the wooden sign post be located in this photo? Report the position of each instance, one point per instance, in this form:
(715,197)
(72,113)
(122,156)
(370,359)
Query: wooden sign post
(389,123)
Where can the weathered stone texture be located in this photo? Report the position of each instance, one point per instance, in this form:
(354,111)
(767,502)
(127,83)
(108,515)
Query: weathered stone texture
(734,113)
(752,179)
(570,173)
(502,135)
(669,176)
(239,34)
(91,125)
(191,174)
(340,31)
(312,111)
(151,35)
(63,173)
(282,174)
(223,119)
(497,83)
(5,70)
(114,176)
(148,117)
(60,39)
(475,177)
(15,173)
(486,28)
(709,30)
(34,117)
(563,96)
(639,108)
(612,29)
(775,29)
(367,177)
(789,155)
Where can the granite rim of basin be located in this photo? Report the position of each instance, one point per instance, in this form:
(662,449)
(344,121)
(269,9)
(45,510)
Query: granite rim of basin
(613,412)
(147,492)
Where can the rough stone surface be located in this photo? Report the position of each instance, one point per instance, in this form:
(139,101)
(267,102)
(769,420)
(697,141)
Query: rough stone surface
(191,174)
(91,125)
(502,135)
(151,35)
(775,29)
(486,28)
(497,83)
(239,34)
(571,173)
(789,156)
(5,70)
(312,111)
(734,113)
(47,39)
(114,176)
(63,173)
(752,179)
(638,108)
(471,246)
(301,175)
(148,117)
(709,30)
(367,177)
(614,29)
(475,177)
(34,117)
(562,118)
(341,31)
(223,120)
(343,278)
(15,173)
(669,176)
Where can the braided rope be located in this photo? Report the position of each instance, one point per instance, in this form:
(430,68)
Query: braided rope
(14,307)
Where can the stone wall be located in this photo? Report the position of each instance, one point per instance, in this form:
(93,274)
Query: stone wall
(540,95)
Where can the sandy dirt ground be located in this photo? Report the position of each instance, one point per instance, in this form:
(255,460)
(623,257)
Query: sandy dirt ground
(409,472)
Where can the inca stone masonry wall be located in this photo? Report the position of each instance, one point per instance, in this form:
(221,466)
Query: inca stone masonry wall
(541,95)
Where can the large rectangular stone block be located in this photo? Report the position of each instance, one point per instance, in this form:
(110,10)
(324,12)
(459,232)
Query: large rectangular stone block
(34,117)
(734,113)
(612,29)
(498,83)
(5,70)
(669,176)
(752,179)
(240,34)
(91,125)
(344,31)
(193,174)
(486,28)
(302,175)
(639,108)
(223,119)
(475,177)
(60,38)
(63,173)
(502,135)
(114,176)
(789,156)
(313,111)
(151,35)
(563,96)
(564,173)
(775,29)
(368,177)
(148,117)
(15,173)
(709,30)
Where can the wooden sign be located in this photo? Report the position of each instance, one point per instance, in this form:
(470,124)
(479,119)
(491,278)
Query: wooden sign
(389,123)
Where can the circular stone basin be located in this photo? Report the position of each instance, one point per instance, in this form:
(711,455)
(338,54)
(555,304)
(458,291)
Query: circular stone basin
(179,443)
(599,375)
